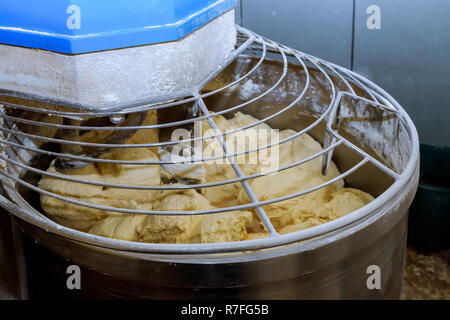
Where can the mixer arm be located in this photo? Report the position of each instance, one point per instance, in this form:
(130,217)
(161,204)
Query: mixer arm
(114,137)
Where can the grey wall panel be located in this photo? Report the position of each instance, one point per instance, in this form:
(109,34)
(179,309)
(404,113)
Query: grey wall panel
(237,12)
(410,58)
(319,27)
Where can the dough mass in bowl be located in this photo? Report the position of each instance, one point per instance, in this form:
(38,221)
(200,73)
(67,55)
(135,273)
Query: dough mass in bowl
(295,214)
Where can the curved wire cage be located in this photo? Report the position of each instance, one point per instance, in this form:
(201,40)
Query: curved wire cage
(21,146)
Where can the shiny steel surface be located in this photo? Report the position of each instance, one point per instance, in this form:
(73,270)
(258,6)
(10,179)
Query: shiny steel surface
(368,134)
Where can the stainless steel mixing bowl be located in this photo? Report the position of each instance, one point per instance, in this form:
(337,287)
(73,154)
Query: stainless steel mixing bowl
(332,260)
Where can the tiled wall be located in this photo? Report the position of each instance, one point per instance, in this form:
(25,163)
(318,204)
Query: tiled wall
(409,56)
(304,24)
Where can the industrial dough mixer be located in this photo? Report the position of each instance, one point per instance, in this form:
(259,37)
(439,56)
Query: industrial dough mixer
(82,71)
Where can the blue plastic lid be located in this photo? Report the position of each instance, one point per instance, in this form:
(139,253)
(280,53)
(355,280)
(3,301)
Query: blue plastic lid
(79,26)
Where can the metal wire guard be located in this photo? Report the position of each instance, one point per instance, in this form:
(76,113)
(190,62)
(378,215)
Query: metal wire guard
(248,41)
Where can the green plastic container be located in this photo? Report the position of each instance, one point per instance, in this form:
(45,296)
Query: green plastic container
(429,215)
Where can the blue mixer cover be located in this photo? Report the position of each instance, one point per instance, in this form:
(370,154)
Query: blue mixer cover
(80,26)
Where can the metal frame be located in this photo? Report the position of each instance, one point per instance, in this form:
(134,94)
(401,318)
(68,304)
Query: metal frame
(248,41)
